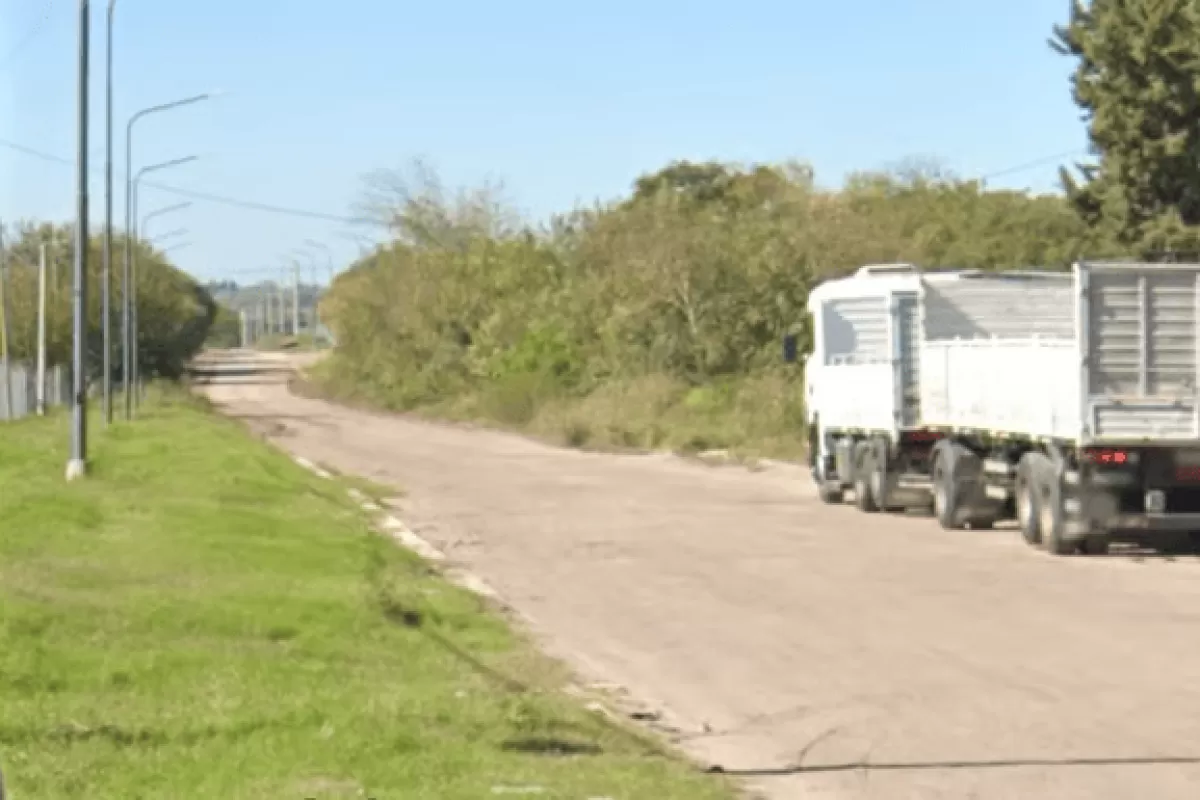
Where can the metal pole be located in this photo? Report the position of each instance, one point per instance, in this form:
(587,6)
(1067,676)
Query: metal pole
(41,333)
(295,298)
(279,290)
(127,276)
(4,328)
(77,465)
(131,265)
(317,288)
(134,339)
(106,279)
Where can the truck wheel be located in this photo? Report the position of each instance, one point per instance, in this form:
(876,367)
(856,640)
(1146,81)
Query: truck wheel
(946,496)
(881,481)
(1052,520)
(1040,506)
(864,466)
(1028,511)
(830,493)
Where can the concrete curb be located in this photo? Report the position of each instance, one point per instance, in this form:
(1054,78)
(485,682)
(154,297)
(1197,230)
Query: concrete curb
(400,533)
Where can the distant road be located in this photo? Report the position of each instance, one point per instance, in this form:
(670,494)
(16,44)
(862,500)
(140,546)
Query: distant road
(793,641)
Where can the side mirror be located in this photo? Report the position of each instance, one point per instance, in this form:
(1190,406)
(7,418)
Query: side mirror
(790,348)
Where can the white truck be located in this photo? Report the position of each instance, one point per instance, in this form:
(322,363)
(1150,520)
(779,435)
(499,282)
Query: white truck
(1068,401)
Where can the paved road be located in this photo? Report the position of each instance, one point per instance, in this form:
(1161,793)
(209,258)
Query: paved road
(826,653)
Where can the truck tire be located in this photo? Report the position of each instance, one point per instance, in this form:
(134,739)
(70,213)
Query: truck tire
(1027,496)
(947,492)
(864,465)
(880,479)
(1052,516)
(1044,515)
(830,493)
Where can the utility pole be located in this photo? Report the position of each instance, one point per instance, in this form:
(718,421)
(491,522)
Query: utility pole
(279,292)
(106,271)
(41,333)
(295,298)
(4,328)
(77,465)
(244,329)
(266,304)
(316,305)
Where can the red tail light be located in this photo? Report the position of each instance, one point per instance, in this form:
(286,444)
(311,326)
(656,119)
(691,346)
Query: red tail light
(1110,458)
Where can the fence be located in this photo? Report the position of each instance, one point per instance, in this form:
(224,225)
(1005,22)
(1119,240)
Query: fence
(21,382)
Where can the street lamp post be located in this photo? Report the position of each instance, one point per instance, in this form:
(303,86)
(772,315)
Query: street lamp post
(126,281)
(106,271)
(77,465)
(160,212)
(317,299)
(167,235)
(312,268)
(132,345)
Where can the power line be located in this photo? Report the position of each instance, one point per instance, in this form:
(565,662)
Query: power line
(217,199)
(253,205)
(1039,162)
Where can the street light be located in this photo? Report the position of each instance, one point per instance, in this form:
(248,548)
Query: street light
(132,349)
(126,287)
(77,464)
(317,298)
(160,212)
(166,210)
(168,234)
(328,254)
(312,267)
(106,271)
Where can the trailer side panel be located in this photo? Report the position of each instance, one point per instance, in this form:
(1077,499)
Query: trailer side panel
(999,355)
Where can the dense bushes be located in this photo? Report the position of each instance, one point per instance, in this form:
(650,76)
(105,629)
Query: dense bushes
(174,312)
(657,320)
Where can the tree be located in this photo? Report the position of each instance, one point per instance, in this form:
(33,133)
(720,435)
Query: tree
(174,312)
(1137,81)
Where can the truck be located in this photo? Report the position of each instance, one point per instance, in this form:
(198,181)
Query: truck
(1066,401)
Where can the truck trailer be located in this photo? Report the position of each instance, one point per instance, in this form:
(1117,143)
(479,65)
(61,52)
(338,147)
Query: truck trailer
(1067,401)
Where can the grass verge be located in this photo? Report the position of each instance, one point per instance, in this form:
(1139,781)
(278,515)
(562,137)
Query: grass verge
(202,618)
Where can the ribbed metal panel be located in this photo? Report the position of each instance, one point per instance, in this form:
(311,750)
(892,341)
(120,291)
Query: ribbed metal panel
(1171,349)
(1138,423)
(1143,333)
(1000,306)
(908,334)
(856,330)
(1115,306)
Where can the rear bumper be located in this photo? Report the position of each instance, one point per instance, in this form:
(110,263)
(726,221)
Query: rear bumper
(1150,523)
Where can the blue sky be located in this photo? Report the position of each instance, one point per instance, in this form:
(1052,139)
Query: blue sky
(564,103)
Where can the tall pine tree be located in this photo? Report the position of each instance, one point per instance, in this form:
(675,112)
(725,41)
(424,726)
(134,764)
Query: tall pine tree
(1138,83)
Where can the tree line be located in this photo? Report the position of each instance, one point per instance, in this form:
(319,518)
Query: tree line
(174,312)
(657,318)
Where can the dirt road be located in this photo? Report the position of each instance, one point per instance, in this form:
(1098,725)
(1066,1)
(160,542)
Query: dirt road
(827,654)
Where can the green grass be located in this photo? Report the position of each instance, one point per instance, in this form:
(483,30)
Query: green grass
(201,618)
